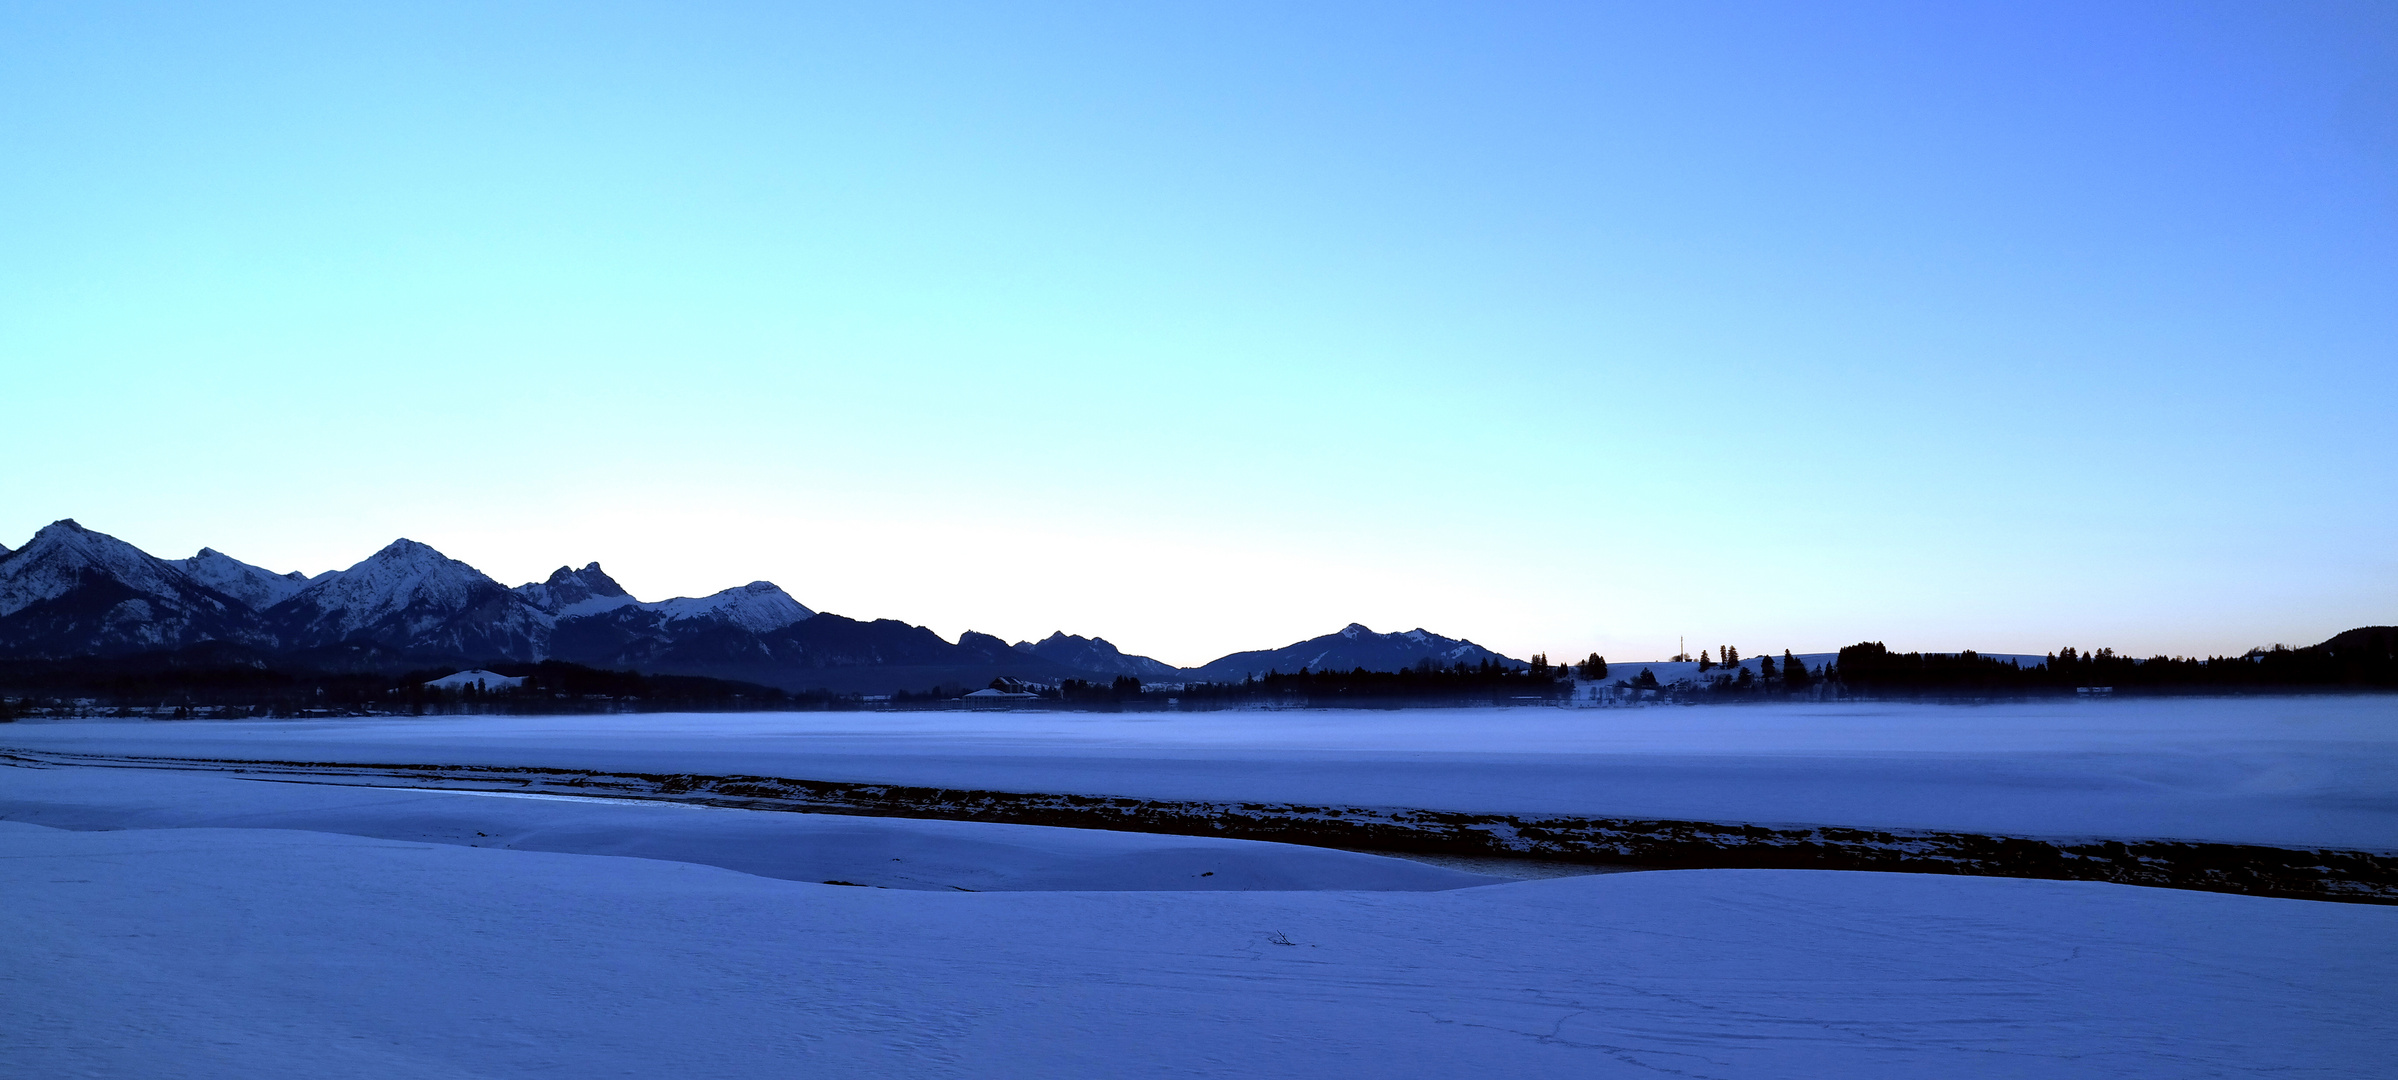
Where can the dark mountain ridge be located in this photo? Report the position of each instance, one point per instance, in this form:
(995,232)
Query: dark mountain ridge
(1354,646)
(1097,654)
(71,594)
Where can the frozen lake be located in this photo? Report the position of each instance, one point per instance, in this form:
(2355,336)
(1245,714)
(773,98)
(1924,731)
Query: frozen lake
(2301,771)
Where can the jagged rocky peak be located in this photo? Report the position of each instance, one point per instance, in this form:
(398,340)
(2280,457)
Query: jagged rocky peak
(1063,647)
(571,592)
(757,607)
(255,586)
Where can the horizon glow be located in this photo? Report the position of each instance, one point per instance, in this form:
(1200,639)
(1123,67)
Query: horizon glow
(1562,328)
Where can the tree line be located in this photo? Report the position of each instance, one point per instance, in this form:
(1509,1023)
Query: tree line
(160,688)
(2366,658)
(2362,659)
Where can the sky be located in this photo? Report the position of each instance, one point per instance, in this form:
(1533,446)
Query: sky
(1206,327)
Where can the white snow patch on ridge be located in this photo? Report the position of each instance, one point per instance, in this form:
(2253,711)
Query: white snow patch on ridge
(758,607)
(478,678)
(596,605)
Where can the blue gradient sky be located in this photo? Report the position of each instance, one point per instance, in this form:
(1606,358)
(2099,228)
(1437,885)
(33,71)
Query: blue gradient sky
(1212,327)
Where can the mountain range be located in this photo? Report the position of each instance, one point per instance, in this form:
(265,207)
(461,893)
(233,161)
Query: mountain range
(73,593)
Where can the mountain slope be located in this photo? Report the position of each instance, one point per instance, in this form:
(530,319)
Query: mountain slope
(415,600)
(1354,646)
(74,592)
(823,651)
(759,607)
(1097,654)
(257,587)
(2373,640)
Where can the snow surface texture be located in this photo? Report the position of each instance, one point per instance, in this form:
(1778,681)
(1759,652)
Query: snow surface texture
(262,954)
(896,853)
(2301,772)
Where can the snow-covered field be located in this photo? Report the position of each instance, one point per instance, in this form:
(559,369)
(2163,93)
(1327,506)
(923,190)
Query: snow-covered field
(265,953)
(184,924)
(888,852)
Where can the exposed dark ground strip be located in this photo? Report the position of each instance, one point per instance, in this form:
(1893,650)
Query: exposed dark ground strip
(2250,869)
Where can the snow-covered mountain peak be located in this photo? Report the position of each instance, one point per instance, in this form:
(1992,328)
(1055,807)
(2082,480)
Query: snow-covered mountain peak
(255,586)
(757,607)
(63,553)
(406,550)
(403,573)
(410,596)
(590,581)
(65,535)
(1354,630)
